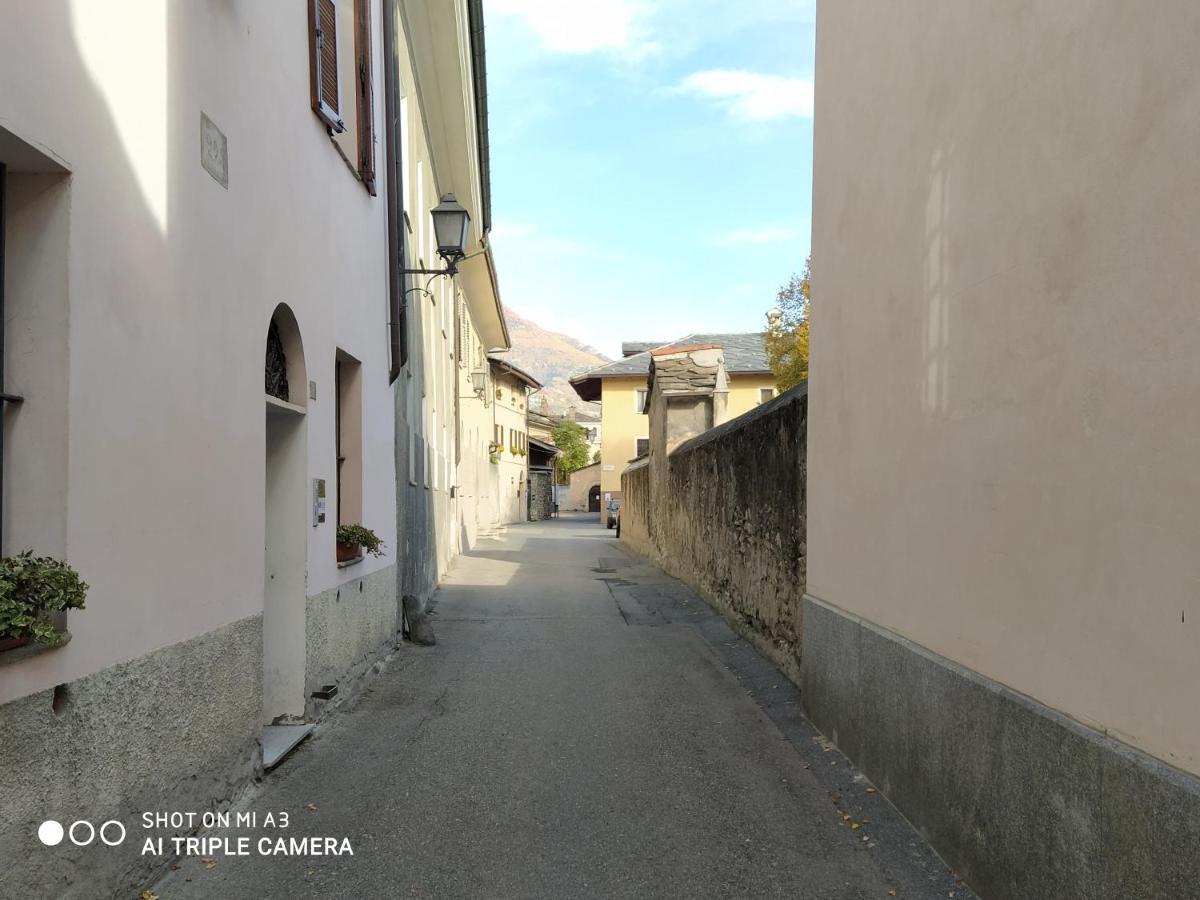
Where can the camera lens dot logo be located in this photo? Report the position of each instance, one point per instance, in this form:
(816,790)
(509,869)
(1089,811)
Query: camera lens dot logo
(50,833)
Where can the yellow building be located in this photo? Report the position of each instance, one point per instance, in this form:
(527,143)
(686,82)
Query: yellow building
(620,387)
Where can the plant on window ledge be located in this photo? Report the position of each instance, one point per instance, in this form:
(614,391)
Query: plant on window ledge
(32,590)
(354,540)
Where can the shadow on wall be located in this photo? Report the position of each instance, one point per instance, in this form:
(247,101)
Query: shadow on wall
(175,728)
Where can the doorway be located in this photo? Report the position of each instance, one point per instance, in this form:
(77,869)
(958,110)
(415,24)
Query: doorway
(594,498)
(286,520)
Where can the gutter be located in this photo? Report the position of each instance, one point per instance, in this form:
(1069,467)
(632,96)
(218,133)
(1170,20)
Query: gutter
(479,76)
(479,72)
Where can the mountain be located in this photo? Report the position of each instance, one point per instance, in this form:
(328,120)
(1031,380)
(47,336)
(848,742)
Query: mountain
(551,358)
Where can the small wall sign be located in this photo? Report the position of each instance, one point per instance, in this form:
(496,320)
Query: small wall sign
(214,151)
(318,501)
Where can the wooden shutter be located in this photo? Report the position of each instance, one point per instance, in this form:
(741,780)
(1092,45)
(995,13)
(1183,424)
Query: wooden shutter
(366,96)
(323,62)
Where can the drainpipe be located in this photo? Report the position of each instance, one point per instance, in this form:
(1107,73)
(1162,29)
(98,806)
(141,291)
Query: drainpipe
(4,402)
(5,398)
(397,350)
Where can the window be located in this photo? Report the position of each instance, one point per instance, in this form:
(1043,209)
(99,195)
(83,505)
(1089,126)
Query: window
(323,63)
(347,376)
(639,400)
(765,394)
(366,95)
(643,446)
(498,435)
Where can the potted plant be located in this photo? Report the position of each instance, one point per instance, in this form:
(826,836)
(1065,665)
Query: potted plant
(352,540)
(32,590)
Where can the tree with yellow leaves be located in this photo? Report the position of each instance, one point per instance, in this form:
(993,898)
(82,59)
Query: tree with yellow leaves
(787,331)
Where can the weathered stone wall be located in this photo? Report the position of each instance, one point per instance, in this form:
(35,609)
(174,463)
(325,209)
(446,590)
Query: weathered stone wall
(728,517)
(635,504)
(541,494)
(176,729)
(348,630)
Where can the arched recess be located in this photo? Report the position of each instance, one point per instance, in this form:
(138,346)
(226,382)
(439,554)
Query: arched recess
(594,498)
(286,517)
(285,375)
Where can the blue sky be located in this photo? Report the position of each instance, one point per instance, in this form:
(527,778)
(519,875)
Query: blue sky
(651,161)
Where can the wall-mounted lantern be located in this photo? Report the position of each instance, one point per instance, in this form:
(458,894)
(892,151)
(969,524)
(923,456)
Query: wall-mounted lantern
(451,222)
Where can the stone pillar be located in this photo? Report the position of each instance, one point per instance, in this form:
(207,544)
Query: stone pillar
(688,395)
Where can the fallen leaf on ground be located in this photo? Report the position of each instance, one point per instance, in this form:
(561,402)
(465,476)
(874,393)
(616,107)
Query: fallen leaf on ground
(146,895)
(871,790)
(311,806)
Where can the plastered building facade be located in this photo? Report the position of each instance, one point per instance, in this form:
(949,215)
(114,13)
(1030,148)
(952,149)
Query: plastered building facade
(1001,621)
(221,359)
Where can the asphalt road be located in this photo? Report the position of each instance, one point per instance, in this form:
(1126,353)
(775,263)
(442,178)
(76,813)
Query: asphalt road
(585,727)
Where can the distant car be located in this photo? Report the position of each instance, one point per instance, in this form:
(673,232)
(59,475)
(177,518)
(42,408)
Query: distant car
(614,513)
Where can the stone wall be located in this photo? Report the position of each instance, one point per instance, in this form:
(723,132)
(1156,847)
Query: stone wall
(725,512)
(347,631)
(176,729)
(541,494)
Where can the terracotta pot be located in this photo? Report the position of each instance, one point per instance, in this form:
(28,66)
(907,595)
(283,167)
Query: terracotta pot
(12,643)
(348,552)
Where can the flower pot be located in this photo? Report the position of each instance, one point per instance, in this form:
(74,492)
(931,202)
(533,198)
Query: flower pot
(348,552)
(12,643)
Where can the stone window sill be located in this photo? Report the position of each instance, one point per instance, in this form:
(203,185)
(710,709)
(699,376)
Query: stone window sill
(351,562)
(20,654)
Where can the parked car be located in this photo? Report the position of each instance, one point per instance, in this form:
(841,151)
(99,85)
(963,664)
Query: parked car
(614,513)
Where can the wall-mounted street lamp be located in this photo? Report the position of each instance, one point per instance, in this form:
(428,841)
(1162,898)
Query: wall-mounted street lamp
(450,223)
(479,384)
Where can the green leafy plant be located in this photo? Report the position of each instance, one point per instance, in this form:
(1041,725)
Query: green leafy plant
(361,535)
(32,590)
(787,338)
(571,440)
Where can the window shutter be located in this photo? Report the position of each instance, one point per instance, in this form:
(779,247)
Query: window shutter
(366,97)
(323,62)
(464,334)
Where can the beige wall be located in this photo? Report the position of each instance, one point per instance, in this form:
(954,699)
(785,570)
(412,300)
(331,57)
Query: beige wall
(1002,451)
(621,422)
(511,473)
(477,482)
(163,290)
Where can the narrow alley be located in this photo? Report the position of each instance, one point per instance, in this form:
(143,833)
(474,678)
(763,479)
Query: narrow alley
(585,726)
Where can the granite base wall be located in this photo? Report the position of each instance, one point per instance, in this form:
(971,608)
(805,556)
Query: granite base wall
(176,729)
(1022,801)
(349,629)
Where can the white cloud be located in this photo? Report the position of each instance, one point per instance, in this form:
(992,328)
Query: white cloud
(745,237)
(570,26)
(751,96)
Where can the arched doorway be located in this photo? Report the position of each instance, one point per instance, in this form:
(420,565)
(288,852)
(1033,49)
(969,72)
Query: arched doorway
(286,508)
(594,498)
